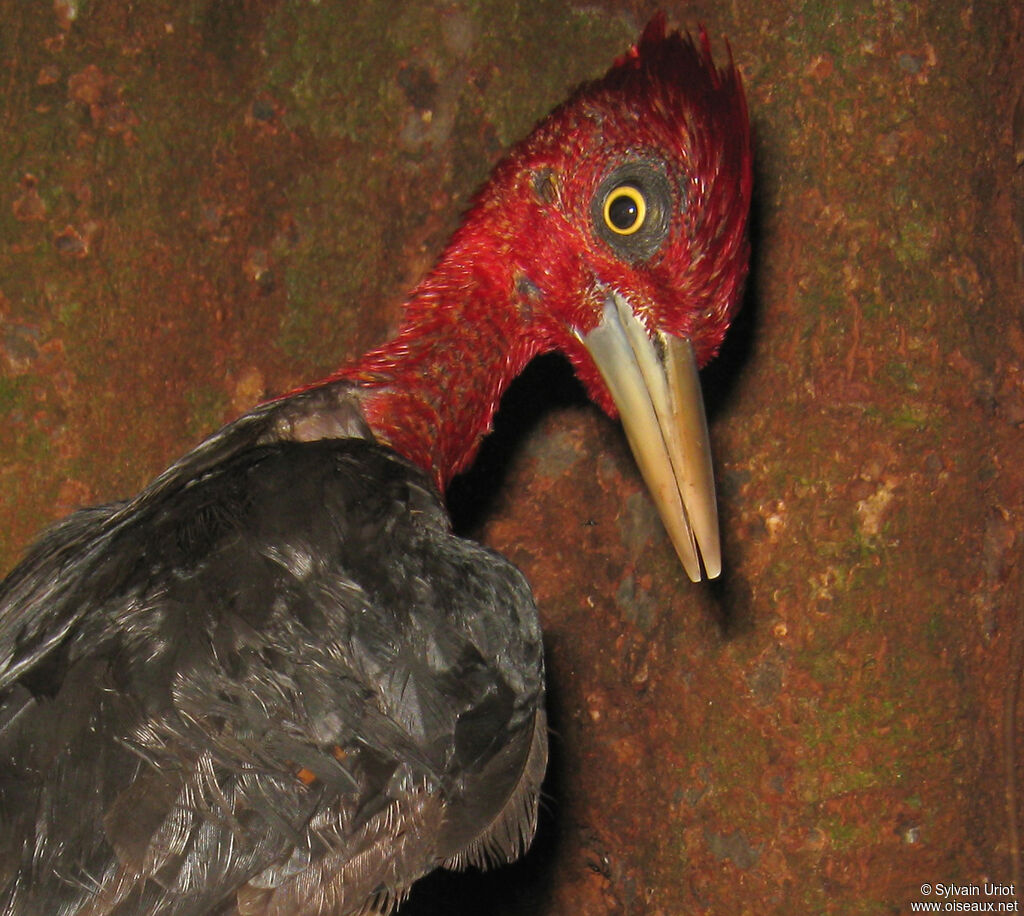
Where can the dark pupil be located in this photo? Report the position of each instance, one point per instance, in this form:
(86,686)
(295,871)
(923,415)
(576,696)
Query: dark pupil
(622,212)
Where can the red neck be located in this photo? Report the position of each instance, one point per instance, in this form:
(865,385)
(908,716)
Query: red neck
(472,325)
(431,392)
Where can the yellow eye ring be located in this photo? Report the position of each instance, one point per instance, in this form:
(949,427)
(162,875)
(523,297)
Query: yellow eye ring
(625,209)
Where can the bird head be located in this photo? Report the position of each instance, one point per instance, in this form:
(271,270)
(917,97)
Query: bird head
(615,233)
(630,252)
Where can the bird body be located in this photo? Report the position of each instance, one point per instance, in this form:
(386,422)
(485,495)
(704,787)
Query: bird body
(274,681)
(274,702)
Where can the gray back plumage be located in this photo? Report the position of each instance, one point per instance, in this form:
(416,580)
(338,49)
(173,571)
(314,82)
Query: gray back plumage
(275,680)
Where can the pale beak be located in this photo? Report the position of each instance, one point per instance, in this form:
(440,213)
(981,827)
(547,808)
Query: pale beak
(656,389)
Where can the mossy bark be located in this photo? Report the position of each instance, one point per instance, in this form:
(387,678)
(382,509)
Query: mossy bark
(204,204)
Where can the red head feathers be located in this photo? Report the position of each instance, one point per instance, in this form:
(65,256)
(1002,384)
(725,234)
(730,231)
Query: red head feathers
(616,233)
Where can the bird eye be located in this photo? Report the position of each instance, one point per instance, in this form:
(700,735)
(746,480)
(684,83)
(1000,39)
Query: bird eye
(625,209)
(633,208)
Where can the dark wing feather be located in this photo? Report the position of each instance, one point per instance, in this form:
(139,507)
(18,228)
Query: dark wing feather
(37,607)
(278,671)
